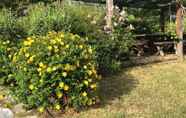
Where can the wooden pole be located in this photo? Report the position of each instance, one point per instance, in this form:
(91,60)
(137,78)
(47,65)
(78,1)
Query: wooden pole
(110,7)
(179,30)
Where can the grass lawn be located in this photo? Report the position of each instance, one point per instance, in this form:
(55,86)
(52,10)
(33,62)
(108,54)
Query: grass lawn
(150,91)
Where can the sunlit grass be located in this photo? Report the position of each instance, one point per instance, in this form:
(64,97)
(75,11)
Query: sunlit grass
(151,91)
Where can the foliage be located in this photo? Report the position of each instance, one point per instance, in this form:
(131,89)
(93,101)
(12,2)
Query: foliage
(170,30)
(41,19)
(143,20)
(16,3)
(9,28)
(7,48)
(84,20)
(114,48)
(9,33)
(55,71)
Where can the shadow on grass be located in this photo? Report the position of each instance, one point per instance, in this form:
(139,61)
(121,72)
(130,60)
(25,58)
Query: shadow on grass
(114,87)
(142,61)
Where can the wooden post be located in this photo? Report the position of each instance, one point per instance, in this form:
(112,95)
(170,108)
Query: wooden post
(110,8)
(179,30)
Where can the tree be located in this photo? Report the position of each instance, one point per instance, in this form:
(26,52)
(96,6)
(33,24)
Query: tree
(110,6)
(179,28)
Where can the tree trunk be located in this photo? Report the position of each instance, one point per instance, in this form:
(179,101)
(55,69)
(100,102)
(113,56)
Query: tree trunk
(110,7)
(179,31)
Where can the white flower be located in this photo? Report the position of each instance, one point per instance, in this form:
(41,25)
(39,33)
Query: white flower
(131,27)
(122,13)
(116,7)
(115,24)
(121,19)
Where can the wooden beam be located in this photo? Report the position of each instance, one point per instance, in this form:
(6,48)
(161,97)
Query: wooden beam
(110,7)
(179,30)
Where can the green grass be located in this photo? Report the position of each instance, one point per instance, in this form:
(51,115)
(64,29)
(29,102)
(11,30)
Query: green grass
(151,91)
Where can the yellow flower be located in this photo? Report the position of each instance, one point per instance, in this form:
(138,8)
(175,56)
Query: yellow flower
(84,94)
(28,42)
(67,46)
(89,72)
(85,82)
(53,41)
(61,84)
(59,94)
(64,74)
(31,87)
(30,60)
(1,97)
(90,50)
(39,69)
(25,43)
(49,69)
(27,55)
(49,47)
(54,68)
(29,38)
(62,43)
(41,109)
(41,80)
(67,67)
(57,106)
(41,64)
(56,50)
(57,39)
(93,86)
(94,71)
(62,35)
(55,47)
(81,46)
(66,87)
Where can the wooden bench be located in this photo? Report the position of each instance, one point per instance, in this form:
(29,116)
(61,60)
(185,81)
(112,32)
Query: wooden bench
(160,46)
(139,46)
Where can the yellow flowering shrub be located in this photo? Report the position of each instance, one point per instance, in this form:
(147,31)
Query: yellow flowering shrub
(55,71)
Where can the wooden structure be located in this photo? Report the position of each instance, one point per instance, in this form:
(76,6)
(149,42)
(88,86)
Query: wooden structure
(151,4)
(180,28)
(110,7)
